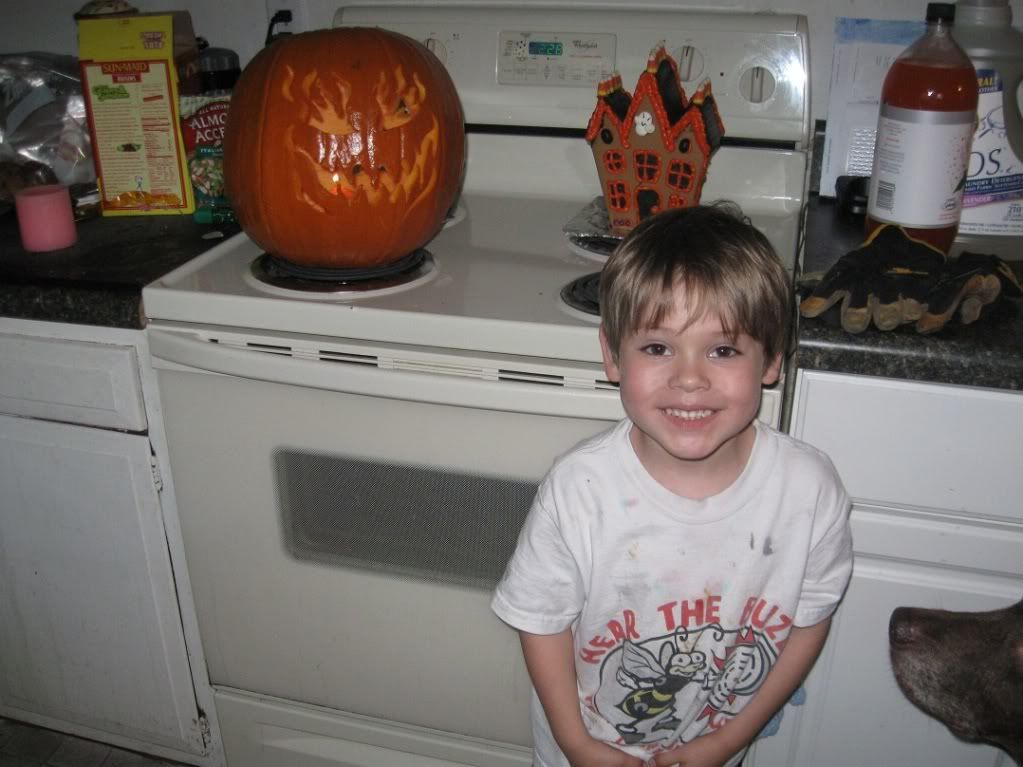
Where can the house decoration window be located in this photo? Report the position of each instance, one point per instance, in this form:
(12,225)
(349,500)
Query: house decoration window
(648,166)
(617,195)
(680,174)
(614,161)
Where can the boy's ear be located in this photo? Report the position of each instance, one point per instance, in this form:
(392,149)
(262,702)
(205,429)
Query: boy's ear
(772,371)
(610,357)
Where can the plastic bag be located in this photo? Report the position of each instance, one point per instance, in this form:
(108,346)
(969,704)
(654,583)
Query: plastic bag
(44,136)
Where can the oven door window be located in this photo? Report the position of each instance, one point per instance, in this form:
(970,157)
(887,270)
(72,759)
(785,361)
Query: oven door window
(413,521)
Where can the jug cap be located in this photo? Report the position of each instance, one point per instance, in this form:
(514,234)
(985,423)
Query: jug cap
(941,12)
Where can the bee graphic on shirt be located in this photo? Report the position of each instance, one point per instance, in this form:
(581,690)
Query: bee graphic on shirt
(654,682)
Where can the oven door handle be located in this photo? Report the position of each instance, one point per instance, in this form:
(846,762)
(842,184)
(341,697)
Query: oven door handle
(458,385)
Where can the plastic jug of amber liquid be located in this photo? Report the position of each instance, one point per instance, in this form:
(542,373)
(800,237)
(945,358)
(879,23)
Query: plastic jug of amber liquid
(992,217)
(924,130)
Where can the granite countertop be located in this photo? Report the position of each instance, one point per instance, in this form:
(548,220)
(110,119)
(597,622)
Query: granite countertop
(988,352)
(99,280)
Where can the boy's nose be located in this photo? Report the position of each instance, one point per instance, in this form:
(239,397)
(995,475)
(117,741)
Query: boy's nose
(688,377)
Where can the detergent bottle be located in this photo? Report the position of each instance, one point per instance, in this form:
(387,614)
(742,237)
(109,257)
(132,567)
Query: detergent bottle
(992,214)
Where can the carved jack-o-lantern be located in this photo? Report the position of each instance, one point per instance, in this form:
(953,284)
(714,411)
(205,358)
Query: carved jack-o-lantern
(344,147)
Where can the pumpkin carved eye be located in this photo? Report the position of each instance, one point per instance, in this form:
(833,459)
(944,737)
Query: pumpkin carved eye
(325,96)
(400,105)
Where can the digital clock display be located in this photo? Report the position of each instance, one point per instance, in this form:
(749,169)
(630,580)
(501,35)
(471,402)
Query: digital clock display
(538,48)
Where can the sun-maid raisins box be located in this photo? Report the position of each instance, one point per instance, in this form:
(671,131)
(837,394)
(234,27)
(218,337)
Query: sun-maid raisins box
(134,68)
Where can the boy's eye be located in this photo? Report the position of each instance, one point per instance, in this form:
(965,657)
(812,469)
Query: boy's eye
(655,349)
(724,352)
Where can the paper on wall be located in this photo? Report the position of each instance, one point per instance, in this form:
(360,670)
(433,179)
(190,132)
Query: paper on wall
(864,50)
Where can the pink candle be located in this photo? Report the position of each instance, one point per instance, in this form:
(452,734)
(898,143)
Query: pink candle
(45,219)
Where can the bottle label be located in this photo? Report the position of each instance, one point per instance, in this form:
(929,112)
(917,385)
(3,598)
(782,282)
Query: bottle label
(920,163)
(993,198)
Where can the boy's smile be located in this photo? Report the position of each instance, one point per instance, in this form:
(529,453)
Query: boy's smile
(692,393)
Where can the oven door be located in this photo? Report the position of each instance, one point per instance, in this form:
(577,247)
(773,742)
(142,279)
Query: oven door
(346,510)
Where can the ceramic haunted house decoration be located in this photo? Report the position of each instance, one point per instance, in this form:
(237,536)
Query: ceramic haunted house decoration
(652,148)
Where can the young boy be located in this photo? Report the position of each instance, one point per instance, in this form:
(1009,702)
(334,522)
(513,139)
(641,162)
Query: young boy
(675,578)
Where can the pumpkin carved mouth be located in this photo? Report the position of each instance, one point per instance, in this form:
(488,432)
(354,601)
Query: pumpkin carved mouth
(379,184)
(350,156)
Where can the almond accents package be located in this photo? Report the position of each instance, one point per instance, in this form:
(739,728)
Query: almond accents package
(203,119)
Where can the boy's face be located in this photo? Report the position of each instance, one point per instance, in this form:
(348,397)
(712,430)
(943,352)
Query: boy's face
(692,396)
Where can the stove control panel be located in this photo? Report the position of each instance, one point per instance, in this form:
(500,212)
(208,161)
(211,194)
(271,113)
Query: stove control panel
(540,66)
(554,58)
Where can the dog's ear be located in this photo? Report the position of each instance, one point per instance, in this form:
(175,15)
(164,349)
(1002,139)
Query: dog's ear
(1016,648)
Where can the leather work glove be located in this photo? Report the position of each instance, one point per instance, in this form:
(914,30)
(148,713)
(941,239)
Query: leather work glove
(967,284)
(887,279)
(893,279)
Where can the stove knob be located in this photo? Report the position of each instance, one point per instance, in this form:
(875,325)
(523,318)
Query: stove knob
(690,63)
(757,84)
(438,48)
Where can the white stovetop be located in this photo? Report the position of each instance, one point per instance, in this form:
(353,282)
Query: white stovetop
(498,275)
(498,272)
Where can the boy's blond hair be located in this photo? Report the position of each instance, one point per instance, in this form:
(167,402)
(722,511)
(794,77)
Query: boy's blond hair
(724,264)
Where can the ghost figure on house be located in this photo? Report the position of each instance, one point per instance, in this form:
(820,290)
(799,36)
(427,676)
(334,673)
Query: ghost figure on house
(644,123)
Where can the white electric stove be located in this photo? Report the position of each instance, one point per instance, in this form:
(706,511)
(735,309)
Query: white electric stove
(352,463)
(498,268)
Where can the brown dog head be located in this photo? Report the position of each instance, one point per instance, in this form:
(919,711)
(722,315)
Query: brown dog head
(964,669)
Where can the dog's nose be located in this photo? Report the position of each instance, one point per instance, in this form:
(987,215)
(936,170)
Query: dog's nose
(901,628)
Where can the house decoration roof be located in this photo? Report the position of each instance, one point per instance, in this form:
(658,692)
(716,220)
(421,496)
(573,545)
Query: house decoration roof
(657,118)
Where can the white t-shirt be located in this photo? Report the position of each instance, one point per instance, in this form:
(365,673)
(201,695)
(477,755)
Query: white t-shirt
(678,607)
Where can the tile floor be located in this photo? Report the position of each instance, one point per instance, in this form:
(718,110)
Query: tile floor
(22,745)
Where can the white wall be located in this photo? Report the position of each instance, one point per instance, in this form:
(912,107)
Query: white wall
(47,25)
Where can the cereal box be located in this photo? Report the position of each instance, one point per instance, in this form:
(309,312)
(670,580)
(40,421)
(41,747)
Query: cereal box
(134,69)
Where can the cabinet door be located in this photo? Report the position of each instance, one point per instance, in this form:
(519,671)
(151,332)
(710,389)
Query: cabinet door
(89,627)
(951,450)
(854,714)
(935,524)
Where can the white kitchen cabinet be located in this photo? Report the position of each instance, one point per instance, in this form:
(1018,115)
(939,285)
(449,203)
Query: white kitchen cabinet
(97,627)
(934,474)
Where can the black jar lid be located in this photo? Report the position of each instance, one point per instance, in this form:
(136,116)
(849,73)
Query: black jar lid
(220,69)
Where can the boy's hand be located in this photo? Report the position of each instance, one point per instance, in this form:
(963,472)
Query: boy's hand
(594,753)
(709,750)
(551,666)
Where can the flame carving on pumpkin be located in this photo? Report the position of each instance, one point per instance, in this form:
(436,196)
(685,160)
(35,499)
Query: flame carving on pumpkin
(346,163)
